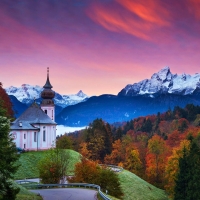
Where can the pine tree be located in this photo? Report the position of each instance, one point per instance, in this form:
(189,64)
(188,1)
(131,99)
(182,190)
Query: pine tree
(193,190)
(8,154)
(188,179)
(182,178)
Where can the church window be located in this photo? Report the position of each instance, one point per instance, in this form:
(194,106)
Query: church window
(35,137)
(44,136)
(24,146)
(45,111)
(24,135)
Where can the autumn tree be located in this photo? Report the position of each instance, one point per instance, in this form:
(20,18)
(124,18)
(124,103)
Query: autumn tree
(84,150)
(174,139)
(116,156)
(6,103)
(155,160)
(88,171)
(132,161)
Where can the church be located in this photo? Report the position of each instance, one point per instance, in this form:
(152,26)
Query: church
(35,128)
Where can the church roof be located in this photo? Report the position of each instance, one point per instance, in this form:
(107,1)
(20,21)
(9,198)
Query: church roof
(33,115)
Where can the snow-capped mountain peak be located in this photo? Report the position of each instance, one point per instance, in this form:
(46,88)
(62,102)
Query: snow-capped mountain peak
(163,74)
(164,82)
(26,94)
(81,94)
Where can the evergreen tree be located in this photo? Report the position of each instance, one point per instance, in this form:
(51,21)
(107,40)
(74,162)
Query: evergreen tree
(147,126)
(193,190)
(182,178)
(188,179)
(8,156)
(99,139)
(118,134)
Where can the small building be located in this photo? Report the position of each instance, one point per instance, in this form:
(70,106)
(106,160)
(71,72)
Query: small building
(35,128)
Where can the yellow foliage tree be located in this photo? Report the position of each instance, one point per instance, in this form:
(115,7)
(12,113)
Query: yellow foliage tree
(132,161)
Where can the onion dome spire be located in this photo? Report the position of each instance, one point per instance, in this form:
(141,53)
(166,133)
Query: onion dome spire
(47,84)
(47,93)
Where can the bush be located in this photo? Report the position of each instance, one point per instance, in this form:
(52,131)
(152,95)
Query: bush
(52,168)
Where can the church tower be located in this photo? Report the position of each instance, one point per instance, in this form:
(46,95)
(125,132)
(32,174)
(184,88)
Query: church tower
(47,95)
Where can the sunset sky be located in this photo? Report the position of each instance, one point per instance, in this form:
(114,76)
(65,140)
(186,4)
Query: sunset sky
(98,46)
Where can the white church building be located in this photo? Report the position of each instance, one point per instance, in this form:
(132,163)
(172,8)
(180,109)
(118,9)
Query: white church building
(35,129)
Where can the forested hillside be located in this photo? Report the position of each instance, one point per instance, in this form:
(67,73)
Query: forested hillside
(149,146)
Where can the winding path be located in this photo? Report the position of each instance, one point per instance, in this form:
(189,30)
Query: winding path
(67,194)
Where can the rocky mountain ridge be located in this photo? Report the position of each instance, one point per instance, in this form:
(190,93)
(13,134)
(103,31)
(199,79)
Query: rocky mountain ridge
(164,82)
(27,93)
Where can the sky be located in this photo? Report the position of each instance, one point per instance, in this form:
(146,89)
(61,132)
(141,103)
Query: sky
(97,46)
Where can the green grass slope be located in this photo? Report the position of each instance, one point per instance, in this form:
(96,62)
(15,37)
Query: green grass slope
(24,194)
(29,161)
(135,188)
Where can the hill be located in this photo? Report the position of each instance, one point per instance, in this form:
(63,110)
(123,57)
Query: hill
(28,163)
(135,188)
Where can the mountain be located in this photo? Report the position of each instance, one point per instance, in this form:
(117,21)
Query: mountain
(18,107)
(164,82)
(162,91)
(27,93)
(113,108)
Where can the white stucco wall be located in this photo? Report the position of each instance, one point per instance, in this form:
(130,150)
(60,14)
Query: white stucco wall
(28,142)
(50,111)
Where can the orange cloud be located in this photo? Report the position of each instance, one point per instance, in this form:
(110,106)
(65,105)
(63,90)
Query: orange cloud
(132,17)
(150,11)
(116,22)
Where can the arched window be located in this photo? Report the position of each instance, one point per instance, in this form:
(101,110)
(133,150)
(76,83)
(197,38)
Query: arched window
(45,111)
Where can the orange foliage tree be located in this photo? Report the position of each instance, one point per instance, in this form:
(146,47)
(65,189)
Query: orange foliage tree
(116,156)
(88,171)
(174,139)
(155,160)
(83,150)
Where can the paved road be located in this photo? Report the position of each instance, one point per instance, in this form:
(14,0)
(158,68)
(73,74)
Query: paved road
(67,194)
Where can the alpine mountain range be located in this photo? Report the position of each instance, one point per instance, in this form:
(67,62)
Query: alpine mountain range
(161,92)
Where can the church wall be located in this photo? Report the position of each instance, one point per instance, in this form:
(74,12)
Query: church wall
(50,111)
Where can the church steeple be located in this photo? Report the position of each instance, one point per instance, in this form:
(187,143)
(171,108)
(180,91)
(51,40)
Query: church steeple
(47,95)
(47,84)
